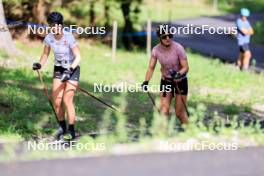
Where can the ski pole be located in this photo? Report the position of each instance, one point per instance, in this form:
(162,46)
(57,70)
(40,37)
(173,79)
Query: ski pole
(91,95)
(152,100)
(47,94)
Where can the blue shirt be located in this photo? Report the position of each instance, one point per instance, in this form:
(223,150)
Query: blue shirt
(242,38)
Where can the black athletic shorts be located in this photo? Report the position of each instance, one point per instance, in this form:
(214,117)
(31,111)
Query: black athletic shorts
(58,72)
(244,48)
(166,85)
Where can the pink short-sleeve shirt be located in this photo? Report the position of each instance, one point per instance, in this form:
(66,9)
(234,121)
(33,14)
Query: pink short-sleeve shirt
(169,58)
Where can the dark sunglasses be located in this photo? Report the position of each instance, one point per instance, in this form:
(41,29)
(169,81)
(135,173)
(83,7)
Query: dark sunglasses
(165,36)
(53,24)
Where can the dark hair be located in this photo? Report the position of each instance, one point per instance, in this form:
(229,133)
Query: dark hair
(55,17)
(163,29)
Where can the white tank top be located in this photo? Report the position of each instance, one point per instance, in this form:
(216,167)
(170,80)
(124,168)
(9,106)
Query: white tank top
(62,48)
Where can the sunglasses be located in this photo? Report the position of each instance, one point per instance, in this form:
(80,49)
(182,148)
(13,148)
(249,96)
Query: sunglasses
(54,24)
(166,36)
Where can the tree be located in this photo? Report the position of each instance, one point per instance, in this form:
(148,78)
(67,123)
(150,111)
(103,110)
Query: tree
(6,43)
(106,13)
(40,10)
(128,28)
(129,20)
(92,13)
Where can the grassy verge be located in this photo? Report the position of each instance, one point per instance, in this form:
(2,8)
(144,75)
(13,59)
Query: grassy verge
(217,92)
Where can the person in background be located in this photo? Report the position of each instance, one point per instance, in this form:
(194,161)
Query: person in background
(243,37)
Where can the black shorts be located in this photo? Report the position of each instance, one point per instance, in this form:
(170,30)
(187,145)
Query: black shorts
(58,72)
(244,48)
(170,86)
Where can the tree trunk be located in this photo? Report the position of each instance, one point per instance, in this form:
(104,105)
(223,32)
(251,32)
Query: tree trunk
(128,28)
(6,43)
(92,13)
(106,14)
(39,11)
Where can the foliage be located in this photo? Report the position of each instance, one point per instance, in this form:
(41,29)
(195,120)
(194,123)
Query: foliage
(236,5)
(258,32)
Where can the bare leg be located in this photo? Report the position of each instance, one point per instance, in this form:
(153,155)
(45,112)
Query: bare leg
(165,103)
(246,60)
(57,94)
(239,60)
(68,101)
(180,110)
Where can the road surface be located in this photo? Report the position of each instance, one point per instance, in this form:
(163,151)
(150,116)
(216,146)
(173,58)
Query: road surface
(243,162)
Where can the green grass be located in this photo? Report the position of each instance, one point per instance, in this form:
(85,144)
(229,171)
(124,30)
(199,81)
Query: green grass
(216,89)
(211,82)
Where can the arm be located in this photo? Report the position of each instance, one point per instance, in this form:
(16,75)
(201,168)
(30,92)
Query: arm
(184,66)
(151,68)
(251,31)
(247,31)
(77,54)
(183,62)
(244,29)
(44,55)
(66,75)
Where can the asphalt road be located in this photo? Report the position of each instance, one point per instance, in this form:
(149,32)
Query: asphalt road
(243,162)
(218,45)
